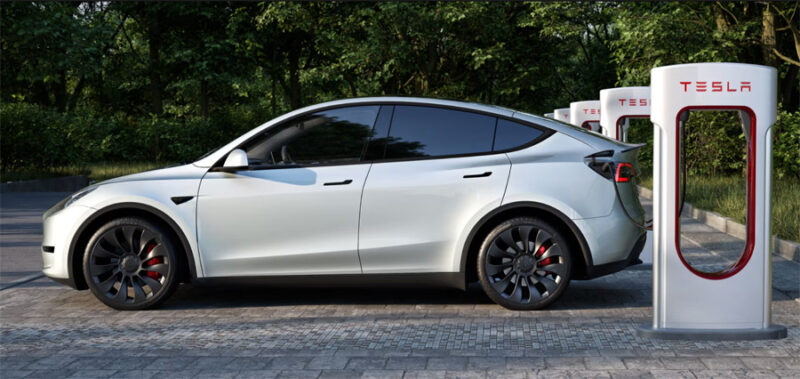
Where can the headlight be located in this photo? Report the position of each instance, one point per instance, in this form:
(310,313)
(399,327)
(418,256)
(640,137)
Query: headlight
(77,195)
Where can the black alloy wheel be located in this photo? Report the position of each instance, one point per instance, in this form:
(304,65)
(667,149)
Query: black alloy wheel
(130,263)
(524,264)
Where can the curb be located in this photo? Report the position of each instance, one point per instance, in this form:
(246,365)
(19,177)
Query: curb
(786,249)
(62,184)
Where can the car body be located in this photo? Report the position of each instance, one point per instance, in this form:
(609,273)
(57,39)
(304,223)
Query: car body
(385,190)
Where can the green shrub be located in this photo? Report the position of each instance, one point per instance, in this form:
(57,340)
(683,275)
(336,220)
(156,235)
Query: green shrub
(640,130)
(36,137)
(25,137)
(786,147)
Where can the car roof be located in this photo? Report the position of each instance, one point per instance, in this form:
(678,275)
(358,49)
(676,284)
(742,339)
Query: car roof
(401,100)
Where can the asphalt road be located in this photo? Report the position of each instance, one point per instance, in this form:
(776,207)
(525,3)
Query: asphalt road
(48,330)
(21,234)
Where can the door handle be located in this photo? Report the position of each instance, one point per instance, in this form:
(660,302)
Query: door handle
(342,183)
(485,174)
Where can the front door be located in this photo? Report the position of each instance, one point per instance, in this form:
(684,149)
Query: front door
(295,210)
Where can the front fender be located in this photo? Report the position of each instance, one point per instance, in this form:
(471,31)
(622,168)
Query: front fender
(152,197)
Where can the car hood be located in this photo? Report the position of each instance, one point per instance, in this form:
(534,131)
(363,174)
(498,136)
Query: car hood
(188,171)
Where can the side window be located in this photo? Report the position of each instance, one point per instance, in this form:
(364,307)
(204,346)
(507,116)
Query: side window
(512,134)
(418,131)
(332,136)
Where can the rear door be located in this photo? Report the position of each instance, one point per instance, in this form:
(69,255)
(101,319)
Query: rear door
(432,173)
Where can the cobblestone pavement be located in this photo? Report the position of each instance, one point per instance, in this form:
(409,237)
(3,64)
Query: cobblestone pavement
(47,330)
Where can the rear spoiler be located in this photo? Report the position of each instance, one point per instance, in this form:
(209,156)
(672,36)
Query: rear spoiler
(633,146)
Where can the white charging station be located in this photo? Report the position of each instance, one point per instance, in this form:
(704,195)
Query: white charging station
(549,115)
(733,303)
(561,114)
(585,114)
(619,105)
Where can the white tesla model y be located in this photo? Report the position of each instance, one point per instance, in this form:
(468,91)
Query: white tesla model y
(369,191)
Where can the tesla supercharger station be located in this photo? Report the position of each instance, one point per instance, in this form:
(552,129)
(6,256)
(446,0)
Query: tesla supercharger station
(585,114)
(549,115)
(733,303)
(561,114)
(618,105)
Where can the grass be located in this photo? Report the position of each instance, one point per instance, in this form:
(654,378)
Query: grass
(95,171)
(726,196)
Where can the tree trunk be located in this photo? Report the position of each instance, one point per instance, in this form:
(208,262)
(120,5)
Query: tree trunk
(721,21)
(60,91)
(790,94)
(154,44)
(41,94)
(768,36)
(73,100)
(294,77)
(272,101)
(204,99)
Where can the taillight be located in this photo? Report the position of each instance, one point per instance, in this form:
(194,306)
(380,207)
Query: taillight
(625,172)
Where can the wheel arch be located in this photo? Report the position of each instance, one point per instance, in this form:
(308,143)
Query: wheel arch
(128,209)
(524,208)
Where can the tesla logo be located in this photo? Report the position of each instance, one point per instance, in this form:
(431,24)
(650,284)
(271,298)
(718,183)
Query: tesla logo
(591,111)
(716,86)
(633,102)
(566,116)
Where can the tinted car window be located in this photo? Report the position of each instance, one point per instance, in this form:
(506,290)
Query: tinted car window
(332,136)
(428,132)
(512,134)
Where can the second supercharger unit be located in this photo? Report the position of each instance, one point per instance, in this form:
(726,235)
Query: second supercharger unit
(619,105)
(585,114)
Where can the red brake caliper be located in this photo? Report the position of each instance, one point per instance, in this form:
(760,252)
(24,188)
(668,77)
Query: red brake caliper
(152,261)
(546,261)
(541,250)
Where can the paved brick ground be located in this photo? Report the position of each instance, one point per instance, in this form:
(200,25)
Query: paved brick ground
(47,330)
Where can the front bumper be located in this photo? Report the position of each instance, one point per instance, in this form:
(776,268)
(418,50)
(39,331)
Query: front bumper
(60,227)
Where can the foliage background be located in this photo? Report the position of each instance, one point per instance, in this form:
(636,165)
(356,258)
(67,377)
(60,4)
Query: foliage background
(165,82)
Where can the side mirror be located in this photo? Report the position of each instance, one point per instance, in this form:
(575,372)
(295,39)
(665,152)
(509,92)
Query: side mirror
(236,160)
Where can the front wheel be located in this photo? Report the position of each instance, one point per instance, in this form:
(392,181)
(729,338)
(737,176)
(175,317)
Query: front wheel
(130,263)
(524,263)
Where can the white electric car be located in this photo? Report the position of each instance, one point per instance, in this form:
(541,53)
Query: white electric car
(369,191)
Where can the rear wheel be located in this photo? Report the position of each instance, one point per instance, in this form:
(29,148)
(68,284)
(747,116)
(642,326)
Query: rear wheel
(524,263)
(130,263)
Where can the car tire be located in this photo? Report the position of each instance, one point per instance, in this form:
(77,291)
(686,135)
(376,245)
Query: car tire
(524,273)
(131,264)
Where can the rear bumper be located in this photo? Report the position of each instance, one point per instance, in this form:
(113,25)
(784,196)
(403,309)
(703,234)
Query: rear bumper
(614,241)
(610,268)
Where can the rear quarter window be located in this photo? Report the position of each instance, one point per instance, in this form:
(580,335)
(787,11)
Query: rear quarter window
(511,135)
